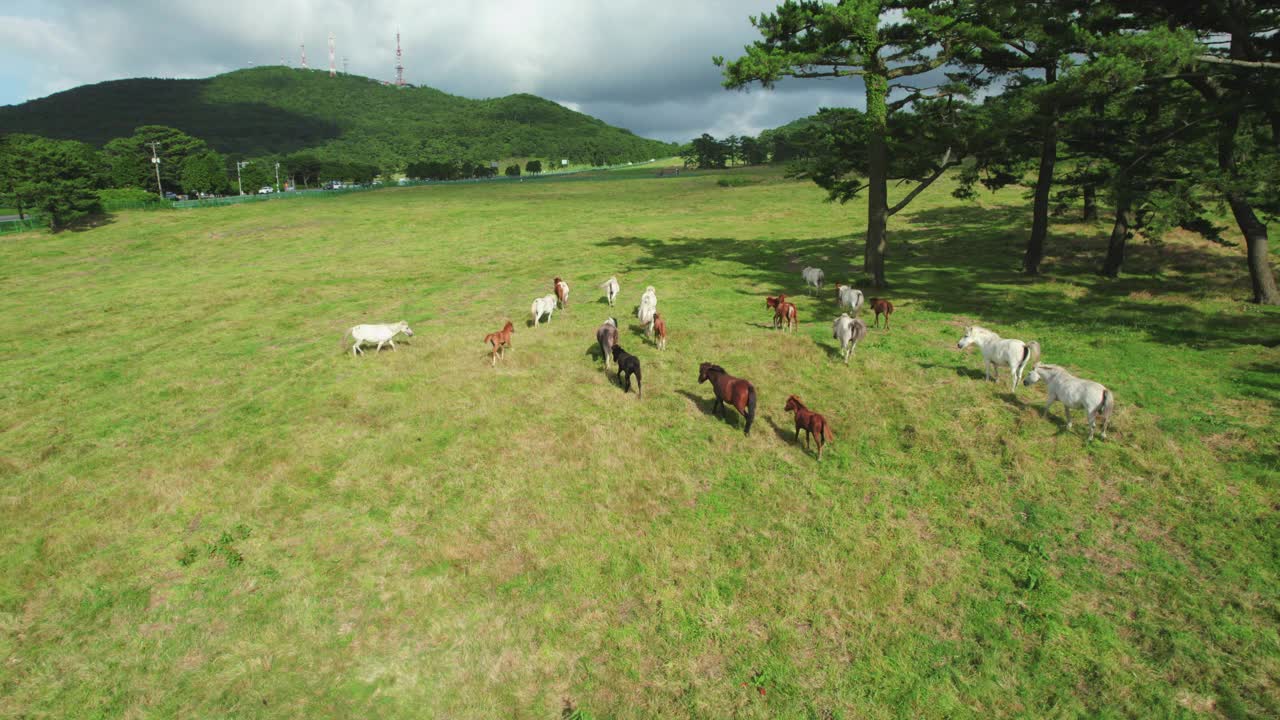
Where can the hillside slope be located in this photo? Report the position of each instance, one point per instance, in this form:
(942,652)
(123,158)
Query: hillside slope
(270,110)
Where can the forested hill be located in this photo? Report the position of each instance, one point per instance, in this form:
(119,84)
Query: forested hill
(274,110)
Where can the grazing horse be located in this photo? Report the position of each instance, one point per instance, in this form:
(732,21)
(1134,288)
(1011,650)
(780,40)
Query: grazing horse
(629,364)
(500,341)
(849,297)
(849,331)
(660,331)
(545,305)
(375,335)
(1074,392)
(562,291)
(881,307)
(611,289)
(607,336)
(813,277)
(997,352)
(736,391)
(784,313)
(648,308)
(812,423)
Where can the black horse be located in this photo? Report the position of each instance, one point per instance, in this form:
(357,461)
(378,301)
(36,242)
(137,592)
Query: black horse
(629,364)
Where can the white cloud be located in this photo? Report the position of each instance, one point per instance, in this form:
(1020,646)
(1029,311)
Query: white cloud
(641,65)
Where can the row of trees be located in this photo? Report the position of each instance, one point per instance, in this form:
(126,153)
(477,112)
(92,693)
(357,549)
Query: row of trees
(708,152)
(1163,111)
(63,179)
(465,170)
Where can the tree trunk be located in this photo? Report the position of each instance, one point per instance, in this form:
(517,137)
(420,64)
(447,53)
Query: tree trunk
(1044,182)
(1119,239)
(1255,232)
(1255,240)
(1090,203)
(877,89)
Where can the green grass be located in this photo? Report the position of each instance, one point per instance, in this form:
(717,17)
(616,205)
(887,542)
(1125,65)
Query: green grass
(208,510)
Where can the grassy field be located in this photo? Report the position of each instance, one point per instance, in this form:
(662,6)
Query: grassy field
(208,510)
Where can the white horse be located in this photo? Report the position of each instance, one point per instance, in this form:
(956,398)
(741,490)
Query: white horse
(1074,392)
(648,307)
(383,334)
(544,305)
(611,289)
(997,352)
(849,298)
(848,331)
(813,276)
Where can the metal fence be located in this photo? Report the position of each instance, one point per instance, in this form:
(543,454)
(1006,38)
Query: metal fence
(9,227)
(16,226)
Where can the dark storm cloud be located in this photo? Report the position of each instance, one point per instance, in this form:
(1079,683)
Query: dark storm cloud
(645,66)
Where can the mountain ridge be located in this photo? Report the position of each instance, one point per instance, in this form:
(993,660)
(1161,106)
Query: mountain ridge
(276,110)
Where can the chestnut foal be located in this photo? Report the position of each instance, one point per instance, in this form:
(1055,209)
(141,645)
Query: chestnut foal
(881,307)
(660,331)
(814,424)
(500,341)
(784,313)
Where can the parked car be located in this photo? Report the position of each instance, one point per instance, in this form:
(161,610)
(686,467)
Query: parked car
(333,185)
(265,190)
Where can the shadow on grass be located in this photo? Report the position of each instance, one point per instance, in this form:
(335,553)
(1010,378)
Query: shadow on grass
(706,404)
(965,261)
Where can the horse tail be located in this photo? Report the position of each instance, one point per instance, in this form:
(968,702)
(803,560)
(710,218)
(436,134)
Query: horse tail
(639,384)
(1033,349)
(751,408)
(345,336)
(1107,405)
(826,432)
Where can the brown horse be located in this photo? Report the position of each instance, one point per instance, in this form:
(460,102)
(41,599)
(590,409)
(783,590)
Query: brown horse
(811,422)
(784,313)
(562,291)
(740,393)
(500,341)
(660,331)
(881,307)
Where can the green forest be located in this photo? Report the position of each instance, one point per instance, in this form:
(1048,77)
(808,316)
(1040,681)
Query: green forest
(272,111)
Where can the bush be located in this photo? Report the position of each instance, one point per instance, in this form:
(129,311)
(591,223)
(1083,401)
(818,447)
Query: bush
(513,171)
(117,196)
(533,167)
(737,181)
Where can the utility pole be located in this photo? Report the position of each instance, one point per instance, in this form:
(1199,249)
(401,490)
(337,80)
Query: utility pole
(277,177)
(240,164)
(155,160)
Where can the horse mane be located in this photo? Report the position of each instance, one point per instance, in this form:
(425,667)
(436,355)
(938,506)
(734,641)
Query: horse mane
(709,367)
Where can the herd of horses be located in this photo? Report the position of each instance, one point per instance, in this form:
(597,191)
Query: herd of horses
(1022,358)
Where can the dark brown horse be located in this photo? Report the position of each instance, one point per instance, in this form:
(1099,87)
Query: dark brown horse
(812,423)
(881,307)
(736,391)
(500,341)
(784,313)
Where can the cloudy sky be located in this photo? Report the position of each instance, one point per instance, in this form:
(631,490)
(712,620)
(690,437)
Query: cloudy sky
(645,66)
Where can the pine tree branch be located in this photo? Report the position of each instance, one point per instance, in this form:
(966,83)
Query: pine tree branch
(1238,63)
(946,164)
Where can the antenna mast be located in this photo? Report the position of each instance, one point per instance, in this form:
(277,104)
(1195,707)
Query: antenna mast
(304,55)
(399,62)
(333,72)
